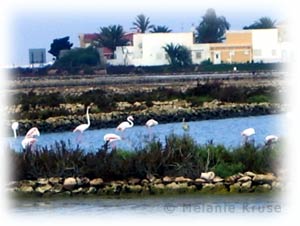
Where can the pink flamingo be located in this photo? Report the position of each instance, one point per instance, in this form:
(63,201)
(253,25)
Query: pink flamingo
(127,124)
(271,139)
(28,142)
(34,131)
(110,138)
(30,139)
(82,127)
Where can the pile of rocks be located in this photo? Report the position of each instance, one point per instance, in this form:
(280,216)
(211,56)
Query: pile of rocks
(207,183)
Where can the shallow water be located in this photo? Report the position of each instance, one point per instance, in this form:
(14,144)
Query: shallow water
(221,131)
(150,205)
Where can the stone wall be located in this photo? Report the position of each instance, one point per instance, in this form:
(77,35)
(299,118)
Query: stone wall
(206,183)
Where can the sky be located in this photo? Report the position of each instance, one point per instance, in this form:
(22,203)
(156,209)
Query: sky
(32,24)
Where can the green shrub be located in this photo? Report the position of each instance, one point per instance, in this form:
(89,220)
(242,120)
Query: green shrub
(78,58)
(199,100)
(258,99)
(225,169)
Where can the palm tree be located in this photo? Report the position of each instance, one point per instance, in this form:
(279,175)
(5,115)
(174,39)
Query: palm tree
(178,55)
(111,37)
(142,23)
(212,28)
(262,23)
(160,29)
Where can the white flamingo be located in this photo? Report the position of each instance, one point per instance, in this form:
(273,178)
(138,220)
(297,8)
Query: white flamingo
(271,139)
(150,123)
(111,138)
(247,133)
(82,127)
(125,125)
(185,126)
(15,127)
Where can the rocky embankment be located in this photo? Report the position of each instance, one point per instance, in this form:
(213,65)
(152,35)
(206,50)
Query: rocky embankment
(207,183)
(161,111)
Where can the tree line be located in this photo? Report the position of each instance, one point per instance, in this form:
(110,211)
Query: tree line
(211,29)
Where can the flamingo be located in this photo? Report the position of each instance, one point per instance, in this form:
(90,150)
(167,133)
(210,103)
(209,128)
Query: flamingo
(127,124)
(151,123)
(81,128)
(34,131)
(271,139)
(111,138)
(28,142)
(185,126)
(247,133)
(29,138)
(15,127)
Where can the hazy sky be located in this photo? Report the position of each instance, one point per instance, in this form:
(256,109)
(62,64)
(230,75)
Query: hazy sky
(35,25)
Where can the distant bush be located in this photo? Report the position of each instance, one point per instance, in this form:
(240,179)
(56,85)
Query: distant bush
(225,169)
(78,58)
(258,99)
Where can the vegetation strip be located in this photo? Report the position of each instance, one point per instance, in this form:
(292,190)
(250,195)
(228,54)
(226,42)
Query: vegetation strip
(179,165)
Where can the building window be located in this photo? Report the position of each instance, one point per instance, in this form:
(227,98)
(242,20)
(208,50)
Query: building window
(257,52)
(231,53)
(198,55)
(273,52)
(246,52)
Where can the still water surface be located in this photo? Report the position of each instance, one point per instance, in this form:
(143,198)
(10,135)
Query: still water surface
(220,131)
(158,205)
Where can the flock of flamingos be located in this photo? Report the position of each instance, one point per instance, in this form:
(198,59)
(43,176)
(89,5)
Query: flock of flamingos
(110,138)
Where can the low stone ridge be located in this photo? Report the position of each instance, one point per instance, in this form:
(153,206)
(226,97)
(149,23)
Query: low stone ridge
(163,114)
(206,183)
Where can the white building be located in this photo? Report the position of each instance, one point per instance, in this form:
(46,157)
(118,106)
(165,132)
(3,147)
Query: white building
(265,45)
(242,46)
(147,49)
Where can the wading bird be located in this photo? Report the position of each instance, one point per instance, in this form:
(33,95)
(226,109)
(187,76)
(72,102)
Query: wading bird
(185,126)
(127,124)
(150,123)
(271,139)
(82,127)
(33,132)
(28,142)
(110,138)
(29,138)
(247,133)
(15,127)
